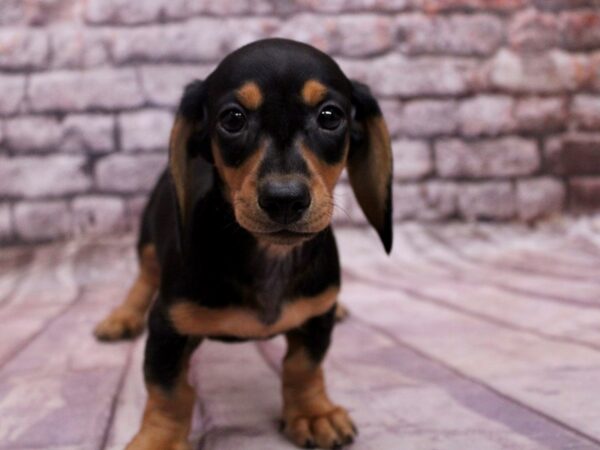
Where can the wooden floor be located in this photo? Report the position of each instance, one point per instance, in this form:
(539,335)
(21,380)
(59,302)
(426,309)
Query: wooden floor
(467,337)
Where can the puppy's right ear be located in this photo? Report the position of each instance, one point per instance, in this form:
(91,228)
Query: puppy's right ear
(188,137)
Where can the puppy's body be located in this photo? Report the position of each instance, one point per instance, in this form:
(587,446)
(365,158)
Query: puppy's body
(236,236)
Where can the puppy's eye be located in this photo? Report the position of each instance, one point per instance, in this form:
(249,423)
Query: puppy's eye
(232,120)
(330,117)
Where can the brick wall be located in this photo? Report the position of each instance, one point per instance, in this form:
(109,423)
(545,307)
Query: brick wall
(494,105)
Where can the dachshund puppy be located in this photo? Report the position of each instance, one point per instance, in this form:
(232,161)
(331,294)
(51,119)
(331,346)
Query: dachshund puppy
(236,239)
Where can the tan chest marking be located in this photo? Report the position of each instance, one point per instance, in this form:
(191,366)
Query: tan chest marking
(192,319)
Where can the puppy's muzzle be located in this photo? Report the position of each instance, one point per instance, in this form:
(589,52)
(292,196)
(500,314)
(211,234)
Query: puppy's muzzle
(284,201)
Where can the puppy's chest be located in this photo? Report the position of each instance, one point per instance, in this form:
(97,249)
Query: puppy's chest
(258,306)
(271,285)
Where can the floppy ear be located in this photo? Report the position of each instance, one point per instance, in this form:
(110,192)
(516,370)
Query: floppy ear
(370,162)
(185,142)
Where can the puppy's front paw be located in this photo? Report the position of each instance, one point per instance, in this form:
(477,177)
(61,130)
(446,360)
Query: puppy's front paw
(331,430)
(146,440)
(121,323)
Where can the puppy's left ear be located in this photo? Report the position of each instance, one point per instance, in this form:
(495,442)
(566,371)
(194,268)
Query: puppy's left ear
(370,162)
(186,142)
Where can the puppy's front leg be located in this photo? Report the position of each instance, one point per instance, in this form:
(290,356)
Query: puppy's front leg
(310,418)
(167,416)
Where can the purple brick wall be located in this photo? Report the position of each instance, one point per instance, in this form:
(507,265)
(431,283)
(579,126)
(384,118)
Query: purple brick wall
(494,105)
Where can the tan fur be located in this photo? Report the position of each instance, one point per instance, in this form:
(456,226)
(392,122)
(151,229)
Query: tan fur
(250,95)
(241,184)
(369,176)
(167,416)
(322,182)
(313,92)
(178,162)
(191,319)
(127,319)
(308,413)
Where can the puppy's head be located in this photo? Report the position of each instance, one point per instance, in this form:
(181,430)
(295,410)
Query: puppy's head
(280,121)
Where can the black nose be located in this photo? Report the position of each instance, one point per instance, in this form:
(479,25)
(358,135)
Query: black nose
(284,201)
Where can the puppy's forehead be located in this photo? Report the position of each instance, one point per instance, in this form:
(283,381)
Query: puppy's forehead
(277,66)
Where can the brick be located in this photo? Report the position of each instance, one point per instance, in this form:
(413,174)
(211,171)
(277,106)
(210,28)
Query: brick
(426,118)
(6,227)
(42,221)
(555,5)
(23,48)
(125,12)
(550,72)
(163,85)
(98,215)
(595,71)
(128,173)
(44,176)
(347,35)
(486,115)
(83,90)
(205,39)
(76,47)
(412,159)
(541,114)
(580,30)
(428,201)
(33,134)
(392,113)
(478,34)
(504,157)
(354,5)
(145,130)
(414,76)
(93,133)
(83,132)
(13,93)
(584,194)
(50,12)
(533,30)
(232,7)
(364,35)
(490,200)
(11,12)
(540,198)
(434,6)
(574,154)
(585,110)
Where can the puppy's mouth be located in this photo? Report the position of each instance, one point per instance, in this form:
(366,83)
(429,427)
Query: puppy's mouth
(285,236)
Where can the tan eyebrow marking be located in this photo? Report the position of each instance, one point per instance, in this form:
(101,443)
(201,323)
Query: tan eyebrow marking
(249,95)
(313,92)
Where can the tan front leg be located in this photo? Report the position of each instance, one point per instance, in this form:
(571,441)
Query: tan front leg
(167,417)
(127,320)
(310,418)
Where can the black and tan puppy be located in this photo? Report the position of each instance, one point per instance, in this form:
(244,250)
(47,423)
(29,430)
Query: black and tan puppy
(236,237)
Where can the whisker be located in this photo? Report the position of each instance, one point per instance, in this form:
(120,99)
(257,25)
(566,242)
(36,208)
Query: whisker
(335,205)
